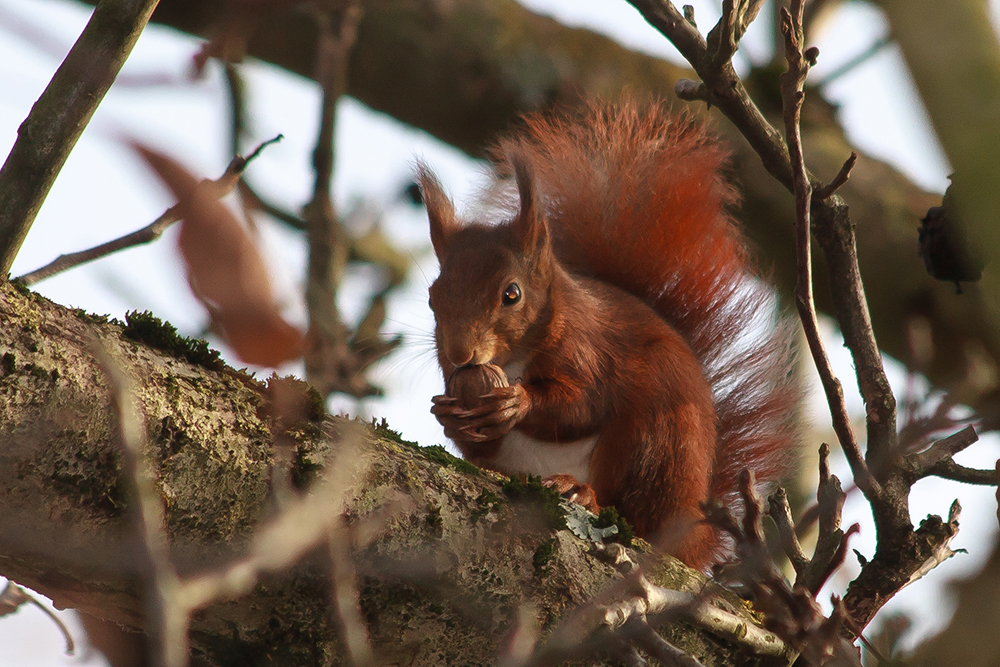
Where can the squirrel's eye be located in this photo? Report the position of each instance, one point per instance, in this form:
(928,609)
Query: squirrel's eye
(511,294)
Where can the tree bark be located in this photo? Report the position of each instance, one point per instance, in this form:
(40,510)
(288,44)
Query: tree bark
(446,563)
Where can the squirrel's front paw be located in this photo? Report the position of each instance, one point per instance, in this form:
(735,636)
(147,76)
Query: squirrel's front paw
(497,413)
(574,491)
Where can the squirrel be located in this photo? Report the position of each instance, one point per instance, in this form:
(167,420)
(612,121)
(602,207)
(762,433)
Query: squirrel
(647,368)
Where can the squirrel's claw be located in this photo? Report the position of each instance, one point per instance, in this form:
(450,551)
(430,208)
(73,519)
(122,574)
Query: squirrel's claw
(569,488)
(502,409)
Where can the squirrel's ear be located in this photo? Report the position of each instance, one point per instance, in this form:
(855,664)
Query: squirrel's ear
(529,225)
(440,210)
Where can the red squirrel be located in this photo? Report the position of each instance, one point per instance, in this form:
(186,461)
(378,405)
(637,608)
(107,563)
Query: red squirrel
(617,295)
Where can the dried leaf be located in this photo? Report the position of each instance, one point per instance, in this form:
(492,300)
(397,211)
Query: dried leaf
(225,269)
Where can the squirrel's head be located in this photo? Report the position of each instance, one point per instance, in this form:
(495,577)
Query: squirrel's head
(491,298)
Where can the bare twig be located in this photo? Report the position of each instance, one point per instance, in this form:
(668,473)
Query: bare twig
(944,449)
(344,606)
(13,596)
(839,180)
(167,616)
(831,542)
(327,357)
(781,514)
(237,107)
(725,38)
(857,60)
(792,95)
(948,469)
(723,87)
(60,115)
(254,200)
(831,545)
(791,612)
(221,186)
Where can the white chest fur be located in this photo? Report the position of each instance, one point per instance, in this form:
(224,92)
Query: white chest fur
(520,453)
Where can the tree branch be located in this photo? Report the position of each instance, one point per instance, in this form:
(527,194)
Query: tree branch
(441,563)
(58,118)
(151,232)
(464,70)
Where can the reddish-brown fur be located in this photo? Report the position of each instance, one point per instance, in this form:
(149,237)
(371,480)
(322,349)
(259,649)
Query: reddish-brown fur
(635,286)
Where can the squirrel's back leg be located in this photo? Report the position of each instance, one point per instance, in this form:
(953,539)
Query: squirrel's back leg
(661,484)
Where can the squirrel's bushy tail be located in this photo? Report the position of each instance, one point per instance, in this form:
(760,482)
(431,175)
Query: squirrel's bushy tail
(636,197)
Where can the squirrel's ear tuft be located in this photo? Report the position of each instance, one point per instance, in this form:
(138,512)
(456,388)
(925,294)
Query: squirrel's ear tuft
(529,226)
(440,210)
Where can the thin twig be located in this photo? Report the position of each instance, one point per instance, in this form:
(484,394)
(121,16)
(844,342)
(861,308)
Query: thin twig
(345,607)
(255,201)
(792,95)
(723,88)
(839,180)
(781,514)
(221,186)
(831,540)
(13,596)
(327,358)
(58,118)
(857,60)
(948,469)
(237,107)
(944,449)
(167,618)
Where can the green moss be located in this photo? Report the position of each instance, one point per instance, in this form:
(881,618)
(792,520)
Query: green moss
(22,289)
(144,327)
(543,554)
(433,517)
(532,493)
(304,470)
(89,317)
(382,430)
(485,503)
(608,517)
(290,400)
(37,372)
(439,455)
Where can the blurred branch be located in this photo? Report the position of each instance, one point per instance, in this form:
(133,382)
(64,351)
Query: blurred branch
(960,88)
(13,597)
(60,115)
(221,186)
(333,362)
(863,57)
(167,617)
(465,70)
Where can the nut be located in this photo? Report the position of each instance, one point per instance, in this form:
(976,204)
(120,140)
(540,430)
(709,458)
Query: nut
(468,383)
